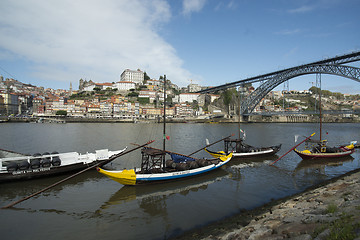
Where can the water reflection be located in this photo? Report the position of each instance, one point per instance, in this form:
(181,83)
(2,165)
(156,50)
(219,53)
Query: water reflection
(321,164)
(12,191)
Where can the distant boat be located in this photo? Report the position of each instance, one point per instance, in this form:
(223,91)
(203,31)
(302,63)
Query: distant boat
(242,150)
(16,166)
(154,167)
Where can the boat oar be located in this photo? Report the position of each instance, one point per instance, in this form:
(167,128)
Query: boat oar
(292,149)
(78,173)
(211,144)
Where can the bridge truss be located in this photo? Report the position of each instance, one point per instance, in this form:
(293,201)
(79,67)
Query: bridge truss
(269,81)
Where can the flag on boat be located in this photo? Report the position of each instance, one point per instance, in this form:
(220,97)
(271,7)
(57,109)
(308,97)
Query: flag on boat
(166,137)
(243,132)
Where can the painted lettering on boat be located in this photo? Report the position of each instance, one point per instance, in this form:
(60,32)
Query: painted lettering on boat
(30,171)
(180,173)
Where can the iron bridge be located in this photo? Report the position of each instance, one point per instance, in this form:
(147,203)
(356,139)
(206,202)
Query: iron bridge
(333,66)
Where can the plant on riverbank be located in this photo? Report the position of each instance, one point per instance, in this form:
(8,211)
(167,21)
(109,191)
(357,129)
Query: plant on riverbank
(331,208)
(343,228)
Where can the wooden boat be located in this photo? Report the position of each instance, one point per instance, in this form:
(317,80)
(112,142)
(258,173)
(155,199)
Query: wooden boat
(243,150)
(154,167)
(318,149)
(16,166)
(321,151)
(172,171)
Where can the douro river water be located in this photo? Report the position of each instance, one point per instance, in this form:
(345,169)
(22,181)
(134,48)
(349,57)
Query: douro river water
(91,206)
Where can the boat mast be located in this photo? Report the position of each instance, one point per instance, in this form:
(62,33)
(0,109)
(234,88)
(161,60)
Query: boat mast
(164,116)
(320,114)
(239,131)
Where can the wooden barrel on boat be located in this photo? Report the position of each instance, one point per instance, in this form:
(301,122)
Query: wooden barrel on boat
(182,166)
(202,162)
(11,167)
(192,164)
(35,163)
(170,163)
(24,165)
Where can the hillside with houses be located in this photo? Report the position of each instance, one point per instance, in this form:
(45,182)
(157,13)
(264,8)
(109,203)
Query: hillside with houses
(136,96)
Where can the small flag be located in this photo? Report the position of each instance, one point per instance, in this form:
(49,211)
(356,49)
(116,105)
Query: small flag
(166,137)
(327,133)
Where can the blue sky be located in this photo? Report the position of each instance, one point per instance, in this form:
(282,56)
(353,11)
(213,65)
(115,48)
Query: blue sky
(209,42)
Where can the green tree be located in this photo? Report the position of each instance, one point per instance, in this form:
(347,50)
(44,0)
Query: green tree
(143,100)
(133,94)
(61,113)
(146,77)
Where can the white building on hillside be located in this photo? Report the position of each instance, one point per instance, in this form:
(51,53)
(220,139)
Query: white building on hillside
(194,87)
(188,97)
(133,76)
(124,85)
(148,94)
(89,88)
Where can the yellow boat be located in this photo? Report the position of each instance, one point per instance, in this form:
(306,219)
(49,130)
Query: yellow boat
(173,171)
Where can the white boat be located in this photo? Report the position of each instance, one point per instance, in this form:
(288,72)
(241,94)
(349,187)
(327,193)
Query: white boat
(16,166)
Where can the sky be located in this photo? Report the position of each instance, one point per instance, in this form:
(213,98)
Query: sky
(209,42)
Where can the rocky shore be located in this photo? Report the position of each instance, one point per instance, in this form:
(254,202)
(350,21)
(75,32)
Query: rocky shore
(327,211)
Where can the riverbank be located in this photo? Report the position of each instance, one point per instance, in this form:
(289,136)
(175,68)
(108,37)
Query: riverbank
(251,119)
(330,210)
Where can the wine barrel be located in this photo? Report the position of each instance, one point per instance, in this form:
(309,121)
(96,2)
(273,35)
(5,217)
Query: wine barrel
(11,167)
(192,164)
(182,166)
(45,162)
(56,161)
(170,164)
(202,162)
(24,165)
(34,163)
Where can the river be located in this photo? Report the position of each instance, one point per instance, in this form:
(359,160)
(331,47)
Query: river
(92,206)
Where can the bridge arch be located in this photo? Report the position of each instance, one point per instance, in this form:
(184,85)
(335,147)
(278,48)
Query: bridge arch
(272,81)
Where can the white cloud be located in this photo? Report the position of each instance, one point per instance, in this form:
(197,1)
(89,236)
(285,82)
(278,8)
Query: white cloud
(190,6)
(67,40)
(301,9)
(289,32)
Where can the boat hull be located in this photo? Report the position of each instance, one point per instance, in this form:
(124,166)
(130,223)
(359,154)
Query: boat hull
(43,172)
(130,177)
(261,152)
(310,156)
(254,153)
(72,162)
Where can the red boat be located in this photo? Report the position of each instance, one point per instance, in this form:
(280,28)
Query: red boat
(323,152)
